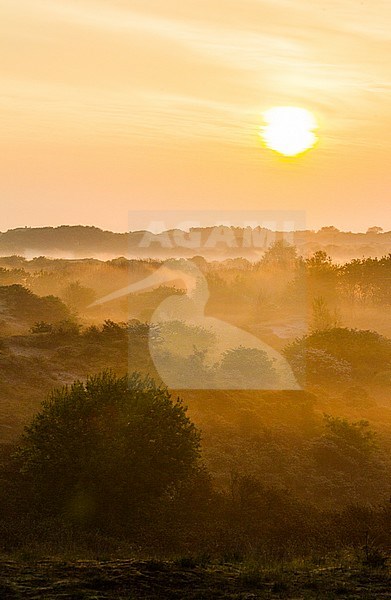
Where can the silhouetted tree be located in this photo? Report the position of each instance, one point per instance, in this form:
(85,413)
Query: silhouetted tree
(104,451)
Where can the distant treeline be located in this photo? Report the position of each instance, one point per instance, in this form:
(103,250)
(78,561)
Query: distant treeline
(210,242)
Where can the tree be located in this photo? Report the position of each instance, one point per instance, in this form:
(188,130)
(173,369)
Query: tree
(322,317)
(320,263)
(106,450)
(329,229)
(322,275)
(350,463)
(77,296)
(356,435)
(367,280)
(375,229)
(281,254)
(345,446)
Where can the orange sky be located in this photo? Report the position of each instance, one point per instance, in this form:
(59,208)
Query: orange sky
(113,105)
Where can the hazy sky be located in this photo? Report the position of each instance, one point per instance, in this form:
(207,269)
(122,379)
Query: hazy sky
(113,105)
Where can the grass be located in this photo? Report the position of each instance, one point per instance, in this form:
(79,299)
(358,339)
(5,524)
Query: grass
(192,578)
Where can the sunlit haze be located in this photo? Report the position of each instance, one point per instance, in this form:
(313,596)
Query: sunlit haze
(108,106)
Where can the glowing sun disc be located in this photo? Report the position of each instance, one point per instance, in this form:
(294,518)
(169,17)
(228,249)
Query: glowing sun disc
(289,130)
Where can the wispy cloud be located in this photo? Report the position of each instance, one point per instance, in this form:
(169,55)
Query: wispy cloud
(246,37)
(161,99)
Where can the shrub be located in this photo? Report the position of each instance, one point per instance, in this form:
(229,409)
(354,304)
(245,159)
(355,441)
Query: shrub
(105,450)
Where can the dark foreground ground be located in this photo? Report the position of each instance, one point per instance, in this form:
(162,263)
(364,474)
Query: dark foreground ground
(128,579)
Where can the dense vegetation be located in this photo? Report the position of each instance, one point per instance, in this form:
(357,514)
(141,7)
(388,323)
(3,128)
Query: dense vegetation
(115,462)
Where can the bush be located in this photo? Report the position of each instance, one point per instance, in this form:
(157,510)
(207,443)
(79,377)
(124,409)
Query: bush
(106,450)
(22,304)
(317,366)
(366,352)
(249,367)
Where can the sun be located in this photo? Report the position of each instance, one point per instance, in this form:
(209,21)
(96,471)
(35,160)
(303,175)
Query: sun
(289,130)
